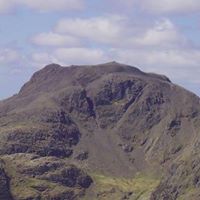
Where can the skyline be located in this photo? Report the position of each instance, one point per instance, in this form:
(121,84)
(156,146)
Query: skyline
(160,37)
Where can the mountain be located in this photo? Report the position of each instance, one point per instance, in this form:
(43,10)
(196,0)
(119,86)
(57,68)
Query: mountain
(104,132)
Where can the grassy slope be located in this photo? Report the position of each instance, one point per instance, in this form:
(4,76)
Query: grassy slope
(109,188)
(24,187)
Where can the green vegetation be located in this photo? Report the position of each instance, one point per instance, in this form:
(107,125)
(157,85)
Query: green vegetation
(23,186)
(138,188)
(189,193)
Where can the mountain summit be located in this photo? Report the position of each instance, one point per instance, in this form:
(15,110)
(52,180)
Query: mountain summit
(108,131)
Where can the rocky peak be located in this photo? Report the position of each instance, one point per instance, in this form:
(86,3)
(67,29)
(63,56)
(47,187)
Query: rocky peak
(54,76)
(67,124)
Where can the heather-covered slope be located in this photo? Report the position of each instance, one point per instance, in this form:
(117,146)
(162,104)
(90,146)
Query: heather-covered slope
(110,130)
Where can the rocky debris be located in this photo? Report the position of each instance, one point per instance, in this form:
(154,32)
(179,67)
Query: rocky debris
(69,195)
(127,148)
(132,160)
(116,91)
(114,98)
(127,196)
(196,181)
(79,104)
(84,181)
(40,166)
(165,193)
(174,124)
(54,141)
(180,177)
(174,127)
(143,142)
(4,184)
(70,177)
(59,117)
(176,149)
(83,155)
(62,153)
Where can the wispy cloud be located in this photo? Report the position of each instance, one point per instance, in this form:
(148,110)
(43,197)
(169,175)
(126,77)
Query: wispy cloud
(160,7)
(43,6)
(9,56)
(170,6)
(55,39)
(105,29)
(120,31)
(69,56)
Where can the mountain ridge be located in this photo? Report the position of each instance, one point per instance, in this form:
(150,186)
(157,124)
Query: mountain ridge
(94,125)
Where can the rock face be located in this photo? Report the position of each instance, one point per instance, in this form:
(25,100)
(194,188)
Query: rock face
(35,177)
(67,125)
(4,184)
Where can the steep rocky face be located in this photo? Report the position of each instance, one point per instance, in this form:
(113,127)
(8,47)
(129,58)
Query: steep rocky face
(35,177)
(75,128)
(4,184)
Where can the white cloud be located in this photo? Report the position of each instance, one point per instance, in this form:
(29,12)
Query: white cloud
(118,31)
(170,6)
(8,56)
(158,44)
(101,29)
(42,5)
(55,39)
(163,33)
(69,56)
(150,6)
(52,5)
(161,58)
(80,55)
(155,6)
(6,5)
(178,64)
(42,58)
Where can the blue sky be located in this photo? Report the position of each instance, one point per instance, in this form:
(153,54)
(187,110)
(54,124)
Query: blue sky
(155,36)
